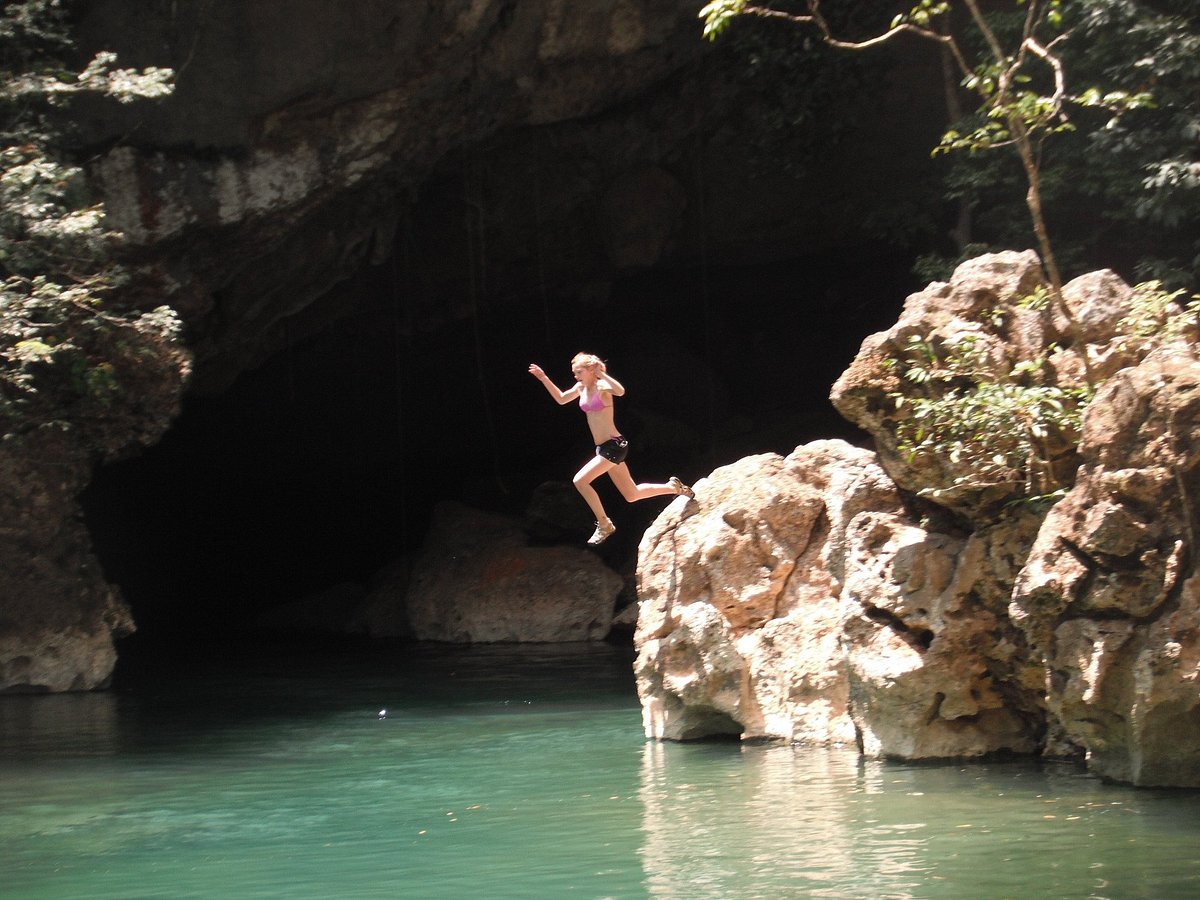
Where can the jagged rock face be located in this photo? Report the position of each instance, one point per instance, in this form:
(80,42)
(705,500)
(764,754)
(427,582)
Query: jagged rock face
(1109,600)
(477,581)
(985,299)
(503,149)
(797,599)
(737,629)
(300,133)
(935,668)
(790,602)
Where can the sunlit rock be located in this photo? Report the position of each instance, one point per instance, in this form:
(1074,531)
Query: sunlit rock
(1108,601)
(802,598)
(1000,301)
(830,616)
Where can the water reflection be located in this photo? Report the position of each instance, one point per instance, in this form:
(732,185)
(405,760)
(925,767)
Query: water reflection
(767,819)
(60,724)
(770,821)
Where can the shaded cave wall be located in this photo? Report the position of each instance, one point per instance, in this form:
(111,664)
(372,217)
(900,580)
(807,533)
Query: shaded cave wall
(371,234)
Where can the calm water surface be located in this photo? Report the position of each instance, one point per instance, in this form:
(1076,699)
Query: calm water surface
(521,772)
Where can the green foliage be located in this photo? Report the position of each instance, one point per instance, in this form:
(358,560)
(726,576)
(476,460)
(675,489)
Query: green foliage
(935,267)
(718,14)
(64,342)
(1116,83)
(1122,188)
(1144,170)
(1007,428)
(922,15)
(1158,316)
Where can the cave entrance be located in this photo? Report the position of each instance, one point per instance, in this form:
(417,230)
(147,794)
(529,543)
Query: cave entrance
(323,464)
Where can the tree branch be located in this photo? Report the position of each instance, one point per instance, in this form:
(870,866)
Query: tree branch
(1055,64)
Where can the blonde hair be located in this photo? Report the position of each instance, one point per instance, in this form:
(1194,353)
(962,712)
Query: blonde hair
(590,360)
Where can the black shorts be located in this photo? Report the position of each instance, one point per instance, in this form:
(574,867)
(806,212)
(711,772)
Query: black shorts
(614,449)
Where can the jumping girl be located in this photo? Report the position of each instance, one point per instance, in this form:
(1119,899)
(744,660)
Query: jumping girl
(595,389)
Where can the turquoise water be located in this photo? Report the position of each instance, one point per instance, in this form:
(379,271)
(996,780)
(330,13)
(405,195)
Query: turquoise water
(521,772)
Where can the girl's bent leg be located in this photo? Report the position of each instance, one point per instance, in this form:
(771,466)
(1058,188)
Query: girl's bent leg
(633,492)
(583,479)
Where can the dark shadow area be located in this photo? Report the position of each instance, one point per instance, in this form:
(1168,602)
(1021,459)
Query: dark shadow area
(325,463)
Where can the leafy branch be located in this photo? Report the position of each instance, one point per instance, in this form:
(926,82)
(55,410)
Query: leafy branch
(1020,80)
(1003,430)
(64,345)
(1009,426)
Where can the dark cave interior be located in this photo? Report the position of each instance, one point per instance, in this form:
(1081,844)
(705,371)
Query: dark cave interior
(324,463)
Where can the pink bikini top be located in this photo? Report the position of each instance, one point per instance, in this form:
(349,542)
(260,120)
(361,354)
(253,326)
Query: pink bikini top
(595,405)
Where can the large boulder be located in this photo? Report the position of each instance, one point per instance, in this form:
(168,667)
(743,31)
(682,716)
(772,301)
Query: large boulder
(798,599)
(1110,601)
(476,581)
(738,623)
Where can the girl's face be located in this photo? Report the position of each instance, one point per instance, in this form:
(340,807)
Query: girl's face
(584,374)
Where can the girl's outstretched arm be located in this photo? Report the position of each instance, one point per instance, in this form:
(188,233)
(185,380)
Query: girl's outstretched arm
(560,397)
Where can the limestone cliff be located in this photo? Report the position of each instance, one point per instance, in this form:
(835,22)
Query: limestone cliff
(815,598)
(488,147)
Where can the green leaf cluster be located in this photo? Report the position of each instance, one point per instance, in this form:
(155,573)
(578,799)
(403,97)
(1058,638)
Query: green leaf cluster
(718,14)
(1115,82)
(1121,185)
(1010,426)
(1158,316)
(1005,428)
(66,344)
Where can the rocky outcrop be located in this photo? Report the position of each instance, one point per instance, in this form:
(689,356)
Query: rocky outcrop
(999,302)
(58,615)
(797,599)
(1109,600)
(816,598)
(477,581)
(737,629)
